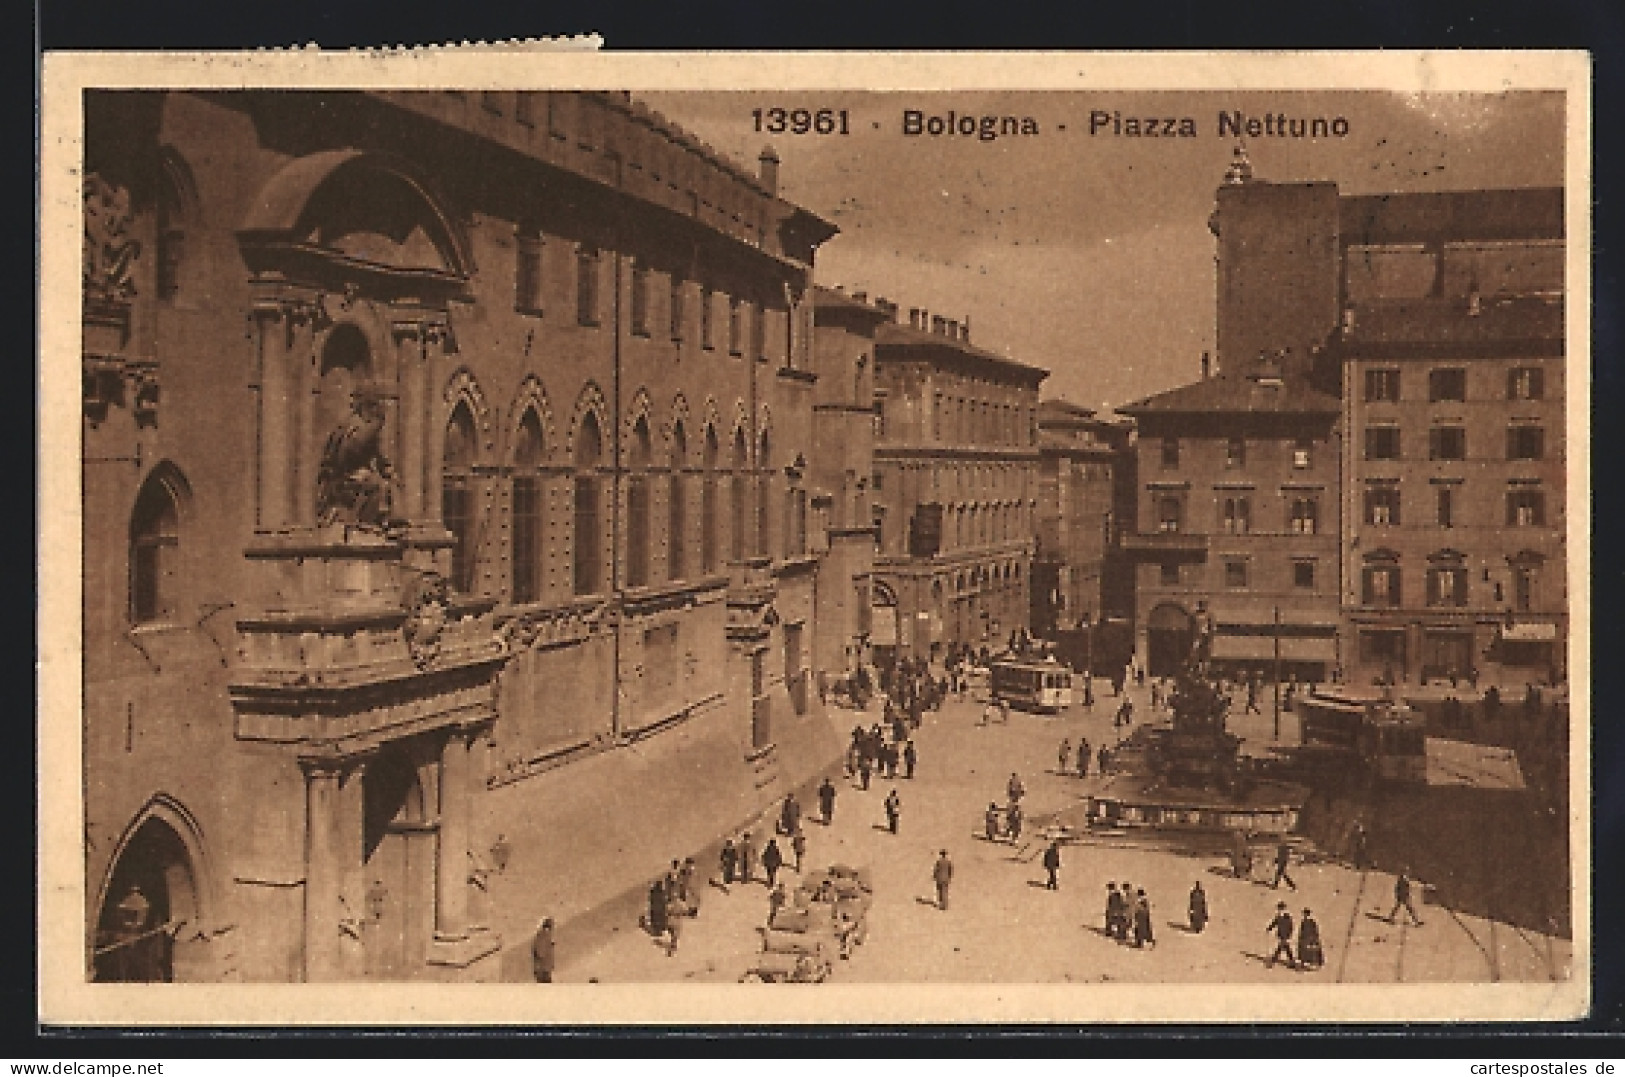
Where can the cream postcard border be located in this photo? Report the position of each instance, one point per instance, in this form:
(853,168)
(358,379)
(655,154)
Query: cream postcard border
(65,999)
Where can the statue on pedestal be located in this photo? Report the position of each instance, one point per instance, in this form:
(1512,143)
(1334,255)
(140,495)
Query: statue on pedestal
(353,482)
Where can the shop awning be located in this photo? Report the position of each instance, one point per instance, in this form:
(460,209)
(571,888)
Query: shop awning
(1262,648)
(1530,632)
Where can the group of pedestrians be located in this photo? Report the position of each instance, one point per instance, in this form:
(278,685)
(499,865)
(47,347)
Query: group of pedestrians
(1006,822)
(1128,915)
(1066,762)
(873,750)
(675,897)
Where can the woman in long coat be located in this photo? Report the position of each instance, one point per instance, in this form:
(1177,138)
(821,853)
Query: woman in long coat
(1142,921)
(1309,948)
(1198,908)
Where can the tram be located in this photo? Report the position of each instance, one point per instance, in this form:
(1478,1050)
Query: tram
(1388,737)
(1038,686)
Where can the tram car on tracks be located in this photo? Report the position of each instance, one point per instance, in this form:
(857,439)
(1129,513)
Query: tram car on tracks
(1386,736)
(1044,686)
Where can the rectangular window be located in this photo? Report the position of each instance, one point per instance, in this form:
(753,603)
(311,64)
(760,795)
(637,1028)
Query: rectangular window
(457,513)
(758,333)
(1380,585)
(1525,383)
(587,552)
(936,417)
(587,286)
(524,108)
(1235,574)
(1302,454)
(676,527)
(1305,516)
(1382,386)
(736,325)
(1446,496)
(1525,442)
(707,303)
(1447,443)
(1170,452)
(1303,575)
(1382,505)
(1235,453)
(637,531)
(527,539)
(1237,515)
(640,300)
(1447,384)
(491,101)
(1169,573)
(527,276)
(1168,514)
(675,309)
(1447,586)
(1382,443)
(1526,508)
(1523,588)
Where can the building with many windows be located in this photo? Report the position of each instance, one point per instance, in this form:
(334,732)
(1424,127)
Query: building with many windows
(1085,500)
(1451,352)
(1238,524)
(439,449)
(955,485)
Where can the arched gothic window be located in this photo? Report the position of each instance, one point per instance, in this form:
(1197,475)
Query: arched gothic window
(637,507)
(154,553)
(676,507)
(528,500)
(457,496)
(739,495)
(588,553)
(708,503)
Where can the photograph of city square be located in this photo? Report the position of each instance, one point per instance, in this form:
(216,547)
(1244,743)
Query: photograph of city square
(566,536)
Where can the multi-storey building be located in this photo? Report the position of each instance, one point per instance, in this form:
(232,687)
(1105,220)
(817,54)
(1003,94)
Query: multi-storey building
(1452,356)
(955,482)
(842,473)
(1437,318)
(438,449)
(1237,534)
(1085,499)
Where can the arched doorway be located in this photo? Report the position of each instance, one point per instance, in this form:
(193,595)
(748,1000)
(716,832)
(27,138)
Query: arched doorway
(883,624)
(148,926)
(398,847)
(1170,631)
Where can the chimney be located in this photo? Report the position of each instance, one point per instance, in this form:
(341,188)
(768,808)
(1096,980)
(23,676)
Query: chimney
(883,305)
(965,330)
(953,328)
(861,297)
(937,323)
(769,170)
(914,317)
(1206,365)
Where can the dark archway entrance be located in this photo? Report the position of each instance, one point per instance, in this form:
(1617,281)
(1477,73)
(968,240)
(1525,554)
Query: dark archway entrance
(150,901)
(398,850)
(1170,631)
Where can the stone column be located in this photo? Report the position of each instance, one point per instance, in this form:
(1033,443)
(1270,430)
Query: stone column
(413,412)
(303,362)
(451,861)
(276,418)
(323,957)
(433,364)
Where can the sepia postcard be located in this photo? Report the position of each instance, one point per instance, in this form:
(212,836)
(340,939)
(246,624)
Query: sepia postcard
(549,537)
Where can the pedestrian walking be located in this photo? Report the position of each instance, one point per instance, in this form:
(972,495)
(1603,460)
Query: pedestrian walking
(1014,788)
(1281,928)
(542,952)
(1197,907)
(1012,822)
(1358,849)
(1116,912)
(1283,860)
(1052,865)
(1105,758)
(826,801)
(1065,757)
(1252,695)
(991,819)
(1156,693)
(1125,712)
(798,846)
(864,769)
(1143,935)
(1241,857)
(894,810)
(1402,899)
(674,925)
(775,901)
(730,861)
(1310,954)
(1125,915)
(657,908)
(690,891)
(910,758)
(790,814)
(747,857)
(1083,758)
(942,874)
(772,861)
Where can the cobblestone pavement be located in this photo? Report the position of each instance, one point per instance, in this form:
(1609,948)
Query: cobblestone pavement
(1003,926)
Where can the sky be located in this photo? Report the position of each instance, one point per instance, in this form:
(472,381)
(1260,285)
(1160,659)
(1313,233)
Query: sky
(1089,254)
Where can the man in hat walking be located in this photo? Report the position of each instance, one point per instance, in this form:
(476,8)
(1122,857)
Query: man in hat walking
(942,873)
(747,857)
(894,810)
(1281,927)
(826,801)
(542,952)
(1402,899)
(1283,860)
(1052,865)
